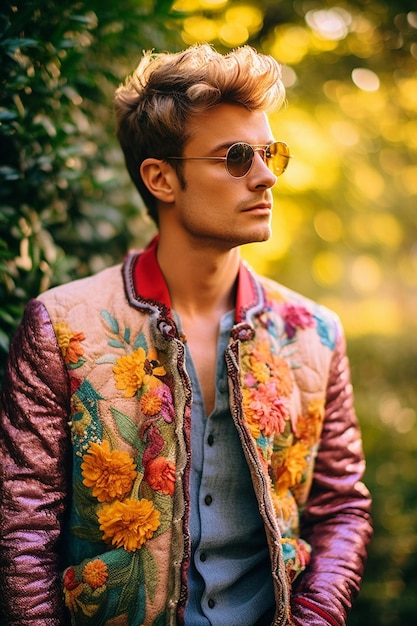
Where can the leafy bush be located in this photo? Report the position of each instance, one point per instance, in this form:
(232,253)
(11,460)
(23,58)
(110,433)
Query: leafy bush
(60,169)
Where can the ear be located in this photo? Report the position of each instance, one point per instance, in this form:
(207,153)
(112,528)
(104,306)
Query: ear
(159,178)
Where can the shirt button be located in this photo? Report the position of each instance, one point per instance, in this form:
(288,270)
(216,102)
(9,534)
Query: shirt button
(223,386)
(211,603)
(210,440)
(203,557)
(208,500)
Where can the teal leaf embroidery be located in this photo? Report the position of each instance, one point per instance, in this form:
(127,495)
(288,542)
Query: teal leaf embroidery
(161,620)
(74,366)
(110,321)
(122,340)
(114,343)
(326,331)
(89,398)
(141,342)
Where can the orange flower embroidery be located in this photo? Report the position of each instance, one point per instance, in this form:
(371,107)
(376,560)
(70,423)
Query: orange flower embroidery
(69,342)
(95,573)
(109,473)
(291,472)
(160,475)
(281,373)
(150,402)
(134,370)
(128,524)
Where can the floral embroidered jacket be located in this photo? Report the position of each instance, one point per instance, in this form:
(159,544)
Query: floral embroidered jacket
(95,453)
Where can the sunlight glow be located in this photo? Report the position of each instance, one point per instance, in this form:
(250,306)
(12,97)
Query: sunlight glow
(328,225)
(366,274)
(198,28)
(327,268)
(330,24)
(290,44)
(233,34)
(365,79)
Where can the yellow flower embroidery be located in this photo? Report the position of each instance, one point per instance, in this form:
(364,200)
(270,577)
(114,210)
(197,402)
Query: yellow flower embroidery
(284,505)
(290,473)
(309,425)
(128,524)
(69,342)
(260,370)
(109,473)
(253,424)
(316,409)
(134,370)
(95,573)
(262,366)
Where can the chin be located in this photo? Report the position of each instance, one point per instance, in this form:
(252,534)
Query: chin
(264,235)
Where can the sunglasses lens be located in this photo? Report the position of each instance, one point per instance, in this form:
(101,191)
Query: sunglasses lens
(239,159)
(278,157)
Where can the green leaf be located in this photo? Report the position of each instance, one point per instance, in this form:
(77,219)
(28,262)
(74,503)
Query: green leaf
(149,570)
(128,599)
(88,534)
(128,430)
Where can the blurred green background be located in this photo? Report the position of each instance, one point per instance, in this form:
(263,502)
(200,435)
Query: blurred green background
(345,220)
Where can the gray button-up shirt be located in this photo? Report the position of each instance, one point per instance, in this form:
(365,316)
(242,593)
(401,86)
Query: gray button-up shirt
(229,579)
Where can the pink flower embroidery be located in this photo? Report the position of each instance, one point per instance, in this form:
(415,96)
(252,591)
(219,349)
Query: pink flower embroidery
(265,411)
(295,316)
(154,444)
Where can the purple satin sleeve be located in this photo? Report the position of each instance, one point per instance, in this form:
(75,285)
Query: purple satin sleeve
(34,471)
(336,520)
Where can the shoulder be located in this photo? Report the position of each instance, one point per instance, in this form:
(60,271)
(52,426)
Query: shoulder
(90,290)
(299,312)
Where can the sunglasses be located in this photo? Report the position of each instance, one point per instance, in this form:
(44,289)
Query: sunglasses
(240,156)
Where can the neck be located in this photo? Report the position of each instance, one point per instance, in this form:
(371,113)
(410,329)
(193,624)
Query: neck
(201,280)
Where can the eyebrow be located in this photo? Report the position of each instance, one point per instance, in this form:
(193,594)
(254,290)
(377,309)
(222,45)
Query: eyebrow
(226,144)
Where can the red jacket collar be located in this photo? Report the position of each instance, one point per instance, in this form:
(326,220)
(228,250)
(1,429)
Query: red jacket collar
(147,283)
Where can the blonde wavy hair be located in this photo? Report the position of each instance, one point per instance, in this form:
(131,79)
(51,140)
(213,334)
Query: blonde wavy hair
(154,104)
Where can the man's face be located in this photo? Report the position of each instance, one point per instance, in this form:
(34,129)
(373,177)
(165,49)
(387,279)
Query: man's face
(213,207)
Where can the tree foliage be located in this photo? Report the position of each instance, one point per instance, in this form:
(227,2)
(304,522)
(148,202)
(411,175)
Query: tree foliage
(344,224)
(64,212)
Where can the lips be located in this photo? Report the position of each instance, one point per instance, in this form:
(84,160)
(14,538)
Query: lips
(259,207)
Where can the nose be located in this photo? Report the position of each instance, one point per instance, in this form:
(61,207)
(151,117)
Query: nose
(261,174)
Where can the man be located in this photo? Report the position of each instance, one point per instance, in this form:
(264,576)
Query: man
(178,438)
